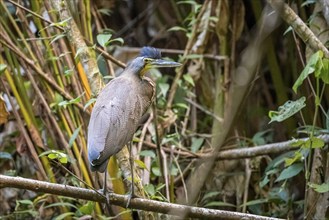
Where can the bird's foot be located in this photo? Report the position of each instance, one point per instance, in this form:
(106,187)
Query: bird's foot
(106,194)
(101,191)
(131,196)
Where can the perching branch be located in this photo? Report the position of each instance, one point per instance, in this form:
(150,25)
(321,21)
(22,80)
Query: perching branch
(120,200)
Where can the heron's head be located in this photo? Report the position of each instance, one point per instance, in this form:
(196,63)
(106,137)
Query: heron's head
(150,58)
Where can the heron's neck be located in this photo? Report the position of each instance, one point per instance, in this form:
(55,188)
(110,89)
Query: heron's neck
(132,71)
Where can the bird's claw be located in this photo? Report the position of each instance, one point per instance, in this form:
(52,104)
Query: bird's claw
(106,194)
(101,191)
(129,197)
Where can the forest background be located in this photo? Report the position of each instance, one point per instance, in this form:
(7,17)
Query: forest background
(241,127)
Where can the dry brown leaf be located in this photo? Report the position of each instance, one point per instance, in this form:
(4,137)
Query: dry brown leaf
(3,111)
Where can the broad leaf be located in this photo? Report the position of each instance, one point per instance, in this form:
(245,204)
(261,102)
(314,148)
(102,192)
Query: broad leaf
(164,87)
(323,72)
(256,202)
(290,171)
(87,208)
(102,39)
(188,78)
(196,144)
(309,69)
(322,188)
(287,110)
(147,153)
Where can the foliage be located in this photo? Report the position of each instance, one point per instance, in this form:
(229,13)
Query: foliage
(46,98)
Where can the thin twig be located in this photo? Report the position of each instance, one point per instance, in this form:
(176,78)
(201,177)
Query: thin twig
(240,153)
(40,72)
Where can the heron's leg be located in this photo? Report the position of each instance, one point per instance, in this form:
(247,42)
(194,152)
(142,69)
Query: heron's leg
(131,159)
(132,187)
(107,196)
(104,183)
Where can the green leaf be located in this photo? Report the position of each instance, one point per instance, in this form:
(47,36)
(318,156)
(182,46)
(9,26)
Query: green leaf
(287,110)
(73,101)
(57,99)
(256,202)
(79,51)
(87,208)
(219,204)
(308,2)
(64,215)
(63,204)
(188,78)
(323,72)
(141,164)
(189,2)
(102,39)
(196,144)
(150,189)
(52,156)
(55,154)
(74,136)
(177,28)
(63,103)
(298,143)
(147,153)
(26,202)
(297,157)
(156,171)
(57,37)
(63,160)
(309,68)
(119,39)
(90,101)
(210,195)
(46,153)
(314,142)
(290,171)
(105,11)
(287,31)
(264,181)
(180,105)
(164,87)
(68,72)
(61,23)
(322,188)
(3,67)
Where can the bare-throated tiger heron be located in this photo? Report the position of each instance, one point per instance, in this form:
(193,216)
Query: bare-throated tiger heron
(119,109)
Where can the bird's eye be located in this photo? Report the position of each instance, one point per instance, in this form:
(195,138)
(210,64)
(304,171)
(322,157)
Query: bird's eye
(147,60)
